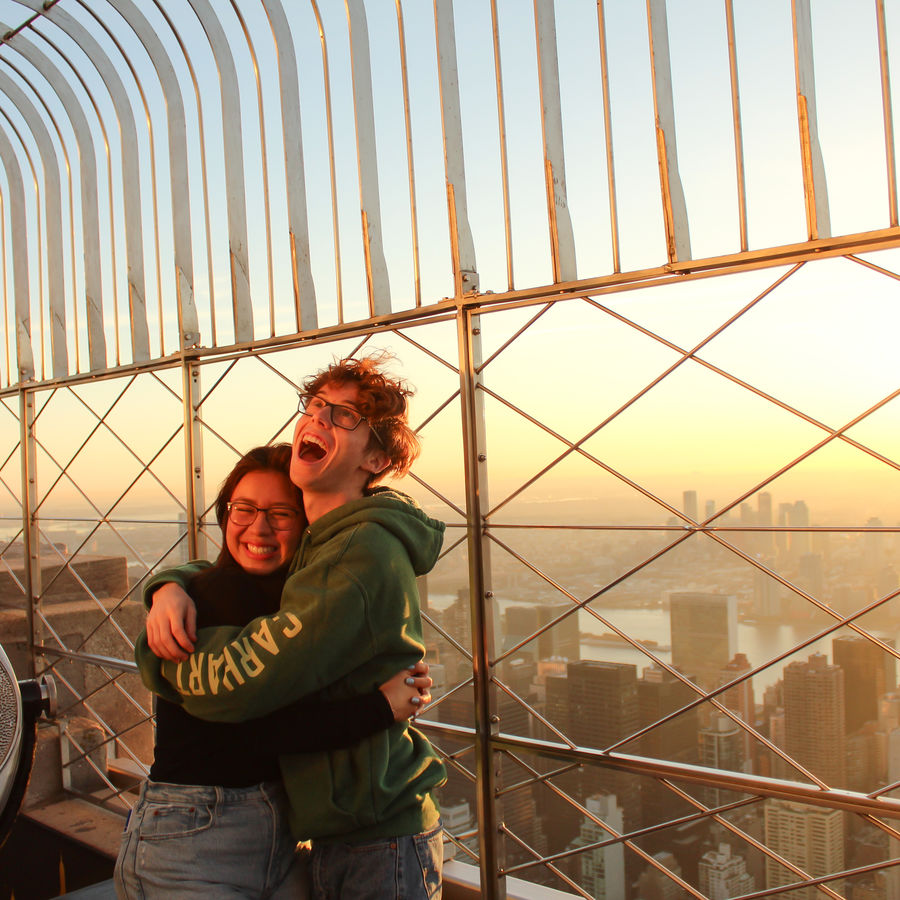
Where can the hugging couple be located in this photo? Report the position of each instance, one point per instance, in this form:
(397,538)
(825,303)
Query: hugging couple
(288,670)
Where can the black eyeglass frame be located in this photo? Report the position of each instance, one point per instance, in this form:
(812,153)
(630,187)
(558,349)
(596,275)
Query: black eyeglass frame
(304,399)
(265,510)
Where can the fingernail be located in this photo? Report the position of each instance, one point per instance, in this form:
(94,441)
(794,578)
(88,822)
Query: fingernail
(415,700)
(410,681)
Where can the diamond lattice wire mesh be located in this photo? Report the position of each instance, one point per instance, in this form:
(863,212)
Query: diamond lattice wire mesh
(713,492)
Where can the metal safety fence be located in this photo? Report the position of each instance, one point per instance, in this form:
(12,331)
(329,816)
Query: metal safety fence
(654,355)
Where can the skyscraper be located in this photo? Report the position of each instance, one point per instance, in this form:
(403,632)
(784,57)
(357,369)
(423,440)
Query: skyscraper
(603,710)
(691,506)
(721,747)
(740,699)
(659,694)
(562,639)
(603,869)
(811,838)
(869,673)
(814,718)
(704,634)
(723,875)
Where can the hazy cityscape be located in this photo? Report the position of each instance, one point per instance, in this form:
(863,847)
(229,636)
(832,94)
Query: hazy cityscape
(713,615)
(700,613)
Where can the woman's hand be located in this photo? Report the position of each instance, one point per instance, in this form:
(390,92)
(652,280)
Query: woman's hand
(172,623)
(408,691)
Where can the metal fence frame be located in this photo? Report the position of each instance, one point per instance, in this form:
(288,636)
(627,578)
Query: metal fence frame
(43,362)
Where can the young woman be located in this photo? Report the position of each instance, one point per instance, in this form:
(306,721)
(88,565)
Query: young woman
(213,817)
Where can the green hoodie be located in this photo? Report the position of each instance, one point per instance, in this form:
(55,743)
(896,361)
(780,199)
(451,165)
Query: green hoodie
(349,619)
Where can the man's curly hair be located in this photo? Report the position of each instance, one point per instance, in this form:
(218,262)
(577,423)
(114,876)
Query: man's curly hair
(383,400)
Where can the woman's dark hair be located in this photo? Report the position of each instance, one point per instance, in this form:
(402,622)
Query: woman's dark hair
(269,458)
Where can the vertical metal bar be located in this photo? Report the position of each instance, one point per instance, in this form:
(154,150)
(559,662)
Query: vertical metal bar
(229,88)
(193,457)
(32,568)
(815,192)
(678,239)
(736,118)
(462,246)
(414,228)
(21,289)
(131,181)
(607,130)
(480,599)
(504,155)
(562,237)
(307,316)
(887,112)
(335,221)
(89,196)
(370,203)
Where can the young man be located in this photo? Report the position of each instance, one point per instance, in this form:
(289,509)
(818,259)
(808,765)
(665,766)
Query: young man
(349,619)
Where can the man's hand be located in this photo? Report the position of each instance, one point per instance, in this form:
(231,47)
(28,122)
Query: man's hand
(408,691)
(172,623)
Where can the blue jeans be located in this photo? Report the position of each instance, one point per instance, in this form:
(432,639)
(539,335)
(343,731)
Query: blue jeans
(207,841)
(403,868)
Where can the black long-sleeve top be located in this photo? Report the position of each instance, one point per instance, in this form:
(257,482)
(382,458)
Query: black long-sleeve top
(193,751)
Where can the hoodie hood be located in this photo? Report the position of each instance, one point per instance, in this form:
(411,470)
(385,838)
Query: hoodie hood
(393,510)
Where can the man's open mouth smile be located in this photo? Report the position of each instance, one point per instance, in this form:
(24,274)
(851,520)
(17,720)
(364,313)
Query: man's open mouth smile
(311,448)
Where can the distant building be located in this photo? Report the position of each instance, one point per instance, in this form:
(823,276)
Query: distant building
(659,694)
(603,710)
(723,875)
(654,884)
(691,506)
(801,541)
(869,673)
(721,747)
(521,620)
(704,634)
(809,837)
(740,698)
(767,593)
(766,543)
(602,869)
(814,718)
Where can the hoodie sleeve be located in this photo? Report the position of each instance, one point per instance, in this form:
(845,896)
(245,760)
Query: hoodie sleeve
(181,575)
(335,617)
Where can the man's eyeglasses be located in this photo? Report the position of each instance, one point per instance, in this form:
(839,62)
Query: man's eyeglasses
(280,518)
(345,417)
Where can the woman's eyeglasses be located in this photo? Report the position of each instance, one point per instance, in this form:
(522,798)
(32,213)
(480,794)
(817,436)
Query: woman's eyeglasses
(280,518)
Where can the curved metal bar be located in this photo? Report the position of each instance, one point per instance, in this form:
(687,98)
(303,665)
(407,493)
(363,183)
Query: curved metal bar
(52,222)
(607,132)
(818,219)
(370,203)
(504,155)
(89,194)
(414,227)
(678,239)
(264,163)
(562,237)
(335,220)
(462,246)
(307,315)
(131,180)
(21,289)
(242,308)
(189,327)
(153,183)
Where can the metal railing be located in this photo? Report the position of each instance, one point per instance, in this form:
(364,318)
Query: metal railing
(599,239)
